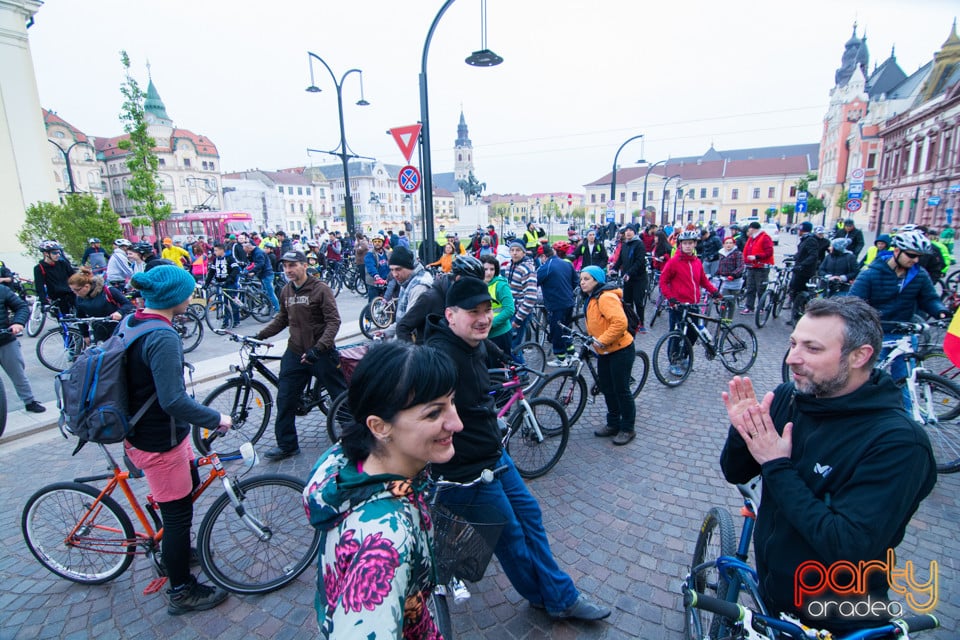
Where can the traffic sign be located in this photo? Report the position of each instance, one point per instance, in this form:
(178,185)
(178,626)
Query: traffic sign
(611,213)
(933,201)
(409,179)
(954,188)
(406,138)
(569,199)
(949,215)
(801,207)
(857,174)
(855,190)
(801,196)
(854,204)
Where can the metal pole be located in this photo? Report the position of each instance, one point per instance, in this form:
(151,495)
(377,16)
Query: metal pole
(613,177)
(645,177)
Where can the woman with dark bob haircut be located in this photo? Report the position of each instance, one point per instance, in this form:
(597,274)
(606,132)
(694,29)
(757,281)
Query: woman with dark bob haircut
(366,495)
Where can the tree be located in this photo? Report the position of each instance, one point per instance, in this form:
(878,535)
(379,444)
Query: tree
(803,184)
(71,224)
(814,206)
(144,186)
(842,201)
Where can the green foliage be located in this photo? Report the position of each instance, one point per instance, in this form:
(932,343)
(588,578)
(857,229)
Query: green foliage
(803,184)
(71,224)
(144,185)
(788,209)
(814,206)
(579,213)
(842,200)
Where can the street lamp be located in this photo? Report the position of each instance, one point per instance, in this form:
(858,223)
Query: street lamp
(342,148)
(676,196)
(613,177)
(482,58)
(66,159)
(645,176)
(663,200)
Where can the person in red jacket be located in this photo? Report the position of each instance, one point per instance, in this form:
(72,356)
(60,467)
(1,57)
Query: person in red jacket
(758,258)
(680,282)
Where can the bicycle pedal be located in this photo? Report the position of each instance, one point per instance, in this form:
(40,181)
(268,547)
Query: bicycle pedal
(155,586)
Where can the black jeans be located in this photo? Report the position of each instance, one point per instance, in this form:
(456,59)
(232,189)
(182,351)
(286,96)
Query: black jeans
(177,517)
(294,376)
(613,378)
(635,291)
(558,318)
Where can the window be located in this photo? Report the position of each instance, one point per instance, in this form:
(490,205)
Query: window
(163,162)
(299,191)
(716,192)
(633,196)
(623,196)
(593,198)
(793,192)
(281,190)
(650,195)
(872,160)
(691,193)
(289,191)
(204,165)
(755,213)
(770,192)
(734,194)
(186,162)
(603,197)
(703,192)
(301,207)
(292,209)
(756,193)
(308,190)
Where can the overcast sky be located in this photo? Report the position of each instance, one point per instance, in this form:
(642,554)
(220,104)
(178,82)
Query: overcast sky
(579,77)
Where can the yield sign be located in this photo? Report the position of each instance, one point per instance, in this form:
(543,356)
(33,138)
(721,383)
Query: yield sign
(406,138)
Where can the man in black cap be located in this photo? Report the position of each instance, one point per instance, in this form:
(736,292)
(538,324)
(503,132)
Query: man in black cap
(805,265)
(523,549)
(309,308)
(414,281)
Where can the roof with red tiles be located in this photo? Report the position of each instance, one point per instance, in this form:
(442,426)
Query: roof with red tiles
(50,118)
(109,148)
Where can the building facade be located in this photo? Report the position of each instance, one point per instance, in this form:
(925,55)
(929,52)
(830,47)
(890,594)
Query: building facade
(74,158)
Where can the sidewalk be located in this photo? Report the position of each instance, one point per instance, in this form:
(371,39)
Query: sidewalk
(22,423)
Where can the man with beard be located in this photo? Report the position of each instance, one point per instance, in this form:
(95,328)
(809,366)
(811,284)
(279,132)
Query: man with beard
(844,467)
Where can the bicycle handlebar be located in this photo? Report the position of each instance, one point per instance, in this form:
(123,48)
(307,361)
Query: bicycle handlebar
(236,337)
(891,326)
(486,477)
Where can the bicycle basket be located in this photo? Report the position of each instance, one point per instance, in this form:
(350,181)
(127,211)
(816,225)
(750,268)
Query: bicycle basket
(464,537)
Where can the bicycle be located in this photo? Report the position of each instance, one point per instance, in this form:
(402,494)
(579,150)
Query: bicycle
(383,312)
(190,327)
(568,386)
(40,310)
(248,401)
(734,344)
(59,347)
(3,391)
(720,576)
(776,295)
(251,540)
(222,303)
(464,537)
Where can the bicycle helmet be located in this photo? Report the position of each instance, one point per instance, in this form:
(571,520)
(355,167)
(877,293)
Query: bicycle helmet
(142,247)
(908,227)
(49,245)
(93,241)
(122,243)
(913,241)
(467,266)
(561,246)
(689,234)
(819,229)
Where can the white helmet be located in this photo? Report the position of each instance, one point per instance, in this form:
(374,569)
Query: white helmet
(913,241)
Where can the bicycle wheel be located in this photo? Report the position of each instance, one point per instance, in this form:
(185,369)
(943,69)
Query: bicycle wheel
(248,404)
(534,357)
(360,284)
(939,401)
(569,389)
(441,615)
(190,328)
(717,538)
(236,557)
(56,352)
(640,371)
(672,358)
(38,318)
(381,312)
(535,454)
(218,313)
(367,327)
(780,301)
(338,417)
(260,308)
(738,348)
(3,408)
(785,368)
(658,309)
(937,362)
(73,542)
(199,309)
(764,309)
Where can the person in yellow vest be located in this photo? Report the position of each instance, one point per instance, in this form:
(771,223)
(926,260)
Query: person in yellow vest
(503,306)
(881,244)
(175,254)
(531,238)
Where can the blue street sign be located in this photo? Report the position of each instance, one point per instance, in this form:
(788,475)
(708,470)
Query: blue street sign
(933,201)
(950,216)
(855,190)
(801,207)
(954,188)
(801,196)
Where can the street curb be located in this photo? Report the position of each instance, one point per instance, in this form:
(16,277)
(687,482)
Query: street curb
(19,432)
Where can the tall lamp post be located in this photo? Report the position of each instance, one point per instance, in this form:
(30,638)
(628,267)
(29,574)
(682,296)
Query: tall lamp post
(482,58)
(663,200)
(613,176)
(66,159)
(342,148)
(645,177)
(678,192)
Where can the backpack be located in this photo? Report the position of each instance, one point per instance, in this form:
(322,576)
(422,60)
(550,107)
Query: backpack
(92,393)
(633,320)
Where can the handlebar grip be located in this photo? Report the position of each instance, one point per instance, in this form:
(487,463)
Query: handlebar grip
(921,623)
(214,434)
(730,610)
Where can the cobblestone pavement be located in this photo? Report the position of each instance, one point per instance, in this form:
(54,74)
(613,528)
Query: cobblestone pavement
(622,521)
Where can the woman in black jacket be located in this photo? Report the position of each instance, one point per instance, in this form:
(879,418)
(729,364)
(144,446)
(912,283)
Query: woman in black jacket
(96,300)
(591,252)
(839,267)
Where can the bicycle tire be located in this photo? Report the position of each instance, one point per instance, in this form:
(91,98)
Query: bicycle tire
(764,309)
(944,433)
(785,374)
(190,328)
(367,327)
(38,317)
(56,353)
(259,306)
(218,314)
(569,389)
(3,408)
(936,361)
(717,538)
(441,615)
(236,558)
(199,309)
(360,285)
(535,358)
(381,312)
(338,417)
(54,511)
(639,372)
(780,302)
(532,456)
(674,368)
(738,348)
(660,305)
(249,404)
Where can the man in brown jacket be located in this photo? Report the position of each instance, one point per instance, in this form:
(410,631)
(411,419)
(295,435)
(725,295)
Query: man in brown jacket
(308,307)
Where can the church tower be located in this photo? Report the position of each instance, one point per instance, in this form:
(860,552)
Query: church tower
(462,152)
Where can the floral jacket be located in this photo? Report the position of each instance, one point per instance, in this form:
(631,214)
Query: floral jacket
(375,572)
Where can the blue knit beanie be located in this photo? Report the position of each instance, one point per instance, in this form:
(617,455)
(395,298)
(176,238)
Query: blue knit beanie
(596,273)
(164,287)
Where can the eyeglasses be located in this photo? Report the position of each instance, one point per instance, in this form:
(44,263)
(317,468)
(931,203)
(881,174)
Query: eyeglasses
(912,256)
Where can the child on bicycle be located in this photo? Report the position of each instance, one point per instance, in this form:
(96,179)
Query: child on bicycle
(365,494)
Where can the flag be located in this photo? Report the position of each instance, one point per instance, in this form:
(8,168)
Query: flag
(951,341)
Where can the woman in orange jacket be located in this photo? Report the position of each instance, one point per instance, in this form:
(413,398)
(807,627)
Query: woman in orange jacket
(607,325)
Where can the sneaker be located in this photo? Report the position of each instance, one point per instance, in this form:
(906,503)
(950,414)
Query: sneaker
(583,609)
(641,329)
(624,437)
(35,407)
(557,362)
(676,370)
(277,453)
(746,312)
(606,432)
(194,597)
